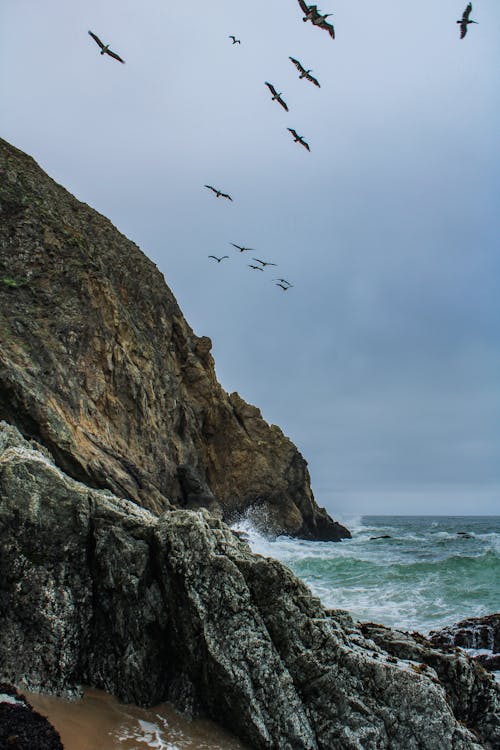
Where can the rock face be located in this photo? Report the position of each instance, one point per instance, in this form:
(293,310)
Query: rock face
(475,633)
(98,364)
(99,591)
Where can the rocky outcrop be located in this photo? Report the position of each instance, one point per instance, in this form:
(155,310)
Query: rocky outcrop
(96,590)
(474,633)
(21,727)
(99,365)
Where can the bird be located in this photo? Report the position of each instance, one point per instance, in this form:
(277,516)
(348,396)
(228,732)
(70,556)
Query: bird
(218,259)
(235,41)
(322,23)
(298,138)
(264,263)
(241,248)
(276,96)
(105,48)
(219,193)
(465,21)
(255,268)
(285,288)
(283,281)
(304,73)
(317,19)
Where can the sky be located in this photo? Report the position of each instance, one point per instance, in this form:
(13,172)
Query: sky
(382,363)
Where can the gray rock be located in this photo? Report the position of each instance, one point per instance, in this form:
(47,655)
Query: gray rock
(97,591)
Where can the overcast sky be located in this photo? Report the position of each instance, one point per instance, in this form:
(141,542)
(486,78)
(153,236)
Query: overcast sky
(383,361)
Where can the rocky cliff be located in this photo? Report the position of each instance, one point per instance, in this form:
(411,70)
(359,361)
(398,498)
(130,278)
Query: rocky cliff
(99,365)
(96,590)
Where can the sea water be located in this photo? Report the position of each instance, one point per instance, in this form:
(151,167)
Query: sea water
(429,572)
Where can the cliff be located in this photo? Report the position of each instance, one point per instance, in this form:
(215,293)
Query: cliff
(99,365)
(97,591)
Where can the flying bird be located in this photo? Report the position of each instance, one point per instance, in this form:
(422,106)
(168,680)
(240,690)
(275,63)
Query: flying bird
(298,138)
(255,268)
(219,193)
(465,21)
(235,41)
(311,13)
(322,23)
(241,248)
(276,96)
(283,281)
(285,288)
(218,259)
(105,48)
(264,263)
(304,73)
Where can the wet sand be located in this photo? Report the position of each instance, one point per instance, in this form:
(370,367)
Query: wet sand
(99,722)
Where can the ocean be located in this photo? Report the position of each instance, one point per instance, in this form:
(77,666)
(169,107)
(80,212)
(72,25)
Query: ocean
(431,571)
(428,571)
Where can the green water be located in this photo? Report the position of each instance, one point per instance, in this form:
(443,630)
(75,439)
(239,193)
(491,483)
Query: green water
(428,574)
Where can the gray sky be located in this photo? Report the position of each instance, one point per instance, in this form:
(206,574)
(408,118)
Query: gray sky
(383,362)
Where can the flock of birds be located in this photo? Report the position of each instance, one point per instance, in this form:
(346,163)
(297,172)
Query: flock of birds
(312,14)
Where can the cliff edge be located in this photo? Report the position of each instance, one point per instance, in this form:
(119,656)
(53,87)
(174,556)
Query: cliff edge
(99,365)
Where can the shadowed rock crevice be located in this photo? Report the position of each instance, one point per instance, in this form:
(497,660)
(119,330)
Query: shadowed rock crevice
(98,364)
(96,590)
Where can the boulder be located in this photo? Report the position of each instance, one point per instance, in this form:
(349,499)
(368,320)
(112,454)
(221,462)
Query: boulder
(98,591)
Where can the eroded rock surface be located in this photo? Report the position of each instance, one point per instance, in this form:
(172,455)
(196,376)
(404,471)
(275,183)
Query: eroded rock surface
(474,633)
(96,590)
(98,364)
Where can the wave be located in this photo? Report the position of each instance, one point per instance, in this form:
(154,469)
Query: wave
(423,577)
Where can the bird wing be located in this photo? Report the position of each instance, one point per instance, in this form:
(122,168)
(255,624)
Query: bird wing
(293,132)
(237,246)
(463,30)
(225,195)
(96,39)
(304,7)
(313,80)
(271,88)
(113,54)
(260,261)
(271,264)
(232,37)
(466,13)
(297,65)
(328,27)
(211,188)
(283,103)
(214,257)
(224,256)
(306,145)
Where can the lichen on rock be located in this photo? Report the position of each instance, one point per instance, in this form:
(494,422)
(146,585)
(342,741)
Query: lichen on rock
(98,591)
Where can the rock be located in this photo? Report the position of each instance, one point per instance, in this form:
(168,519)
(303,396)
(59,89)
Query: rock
(472,694)
(490,662)
(474,632)
(96,590)
(98,365)
(21,727)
